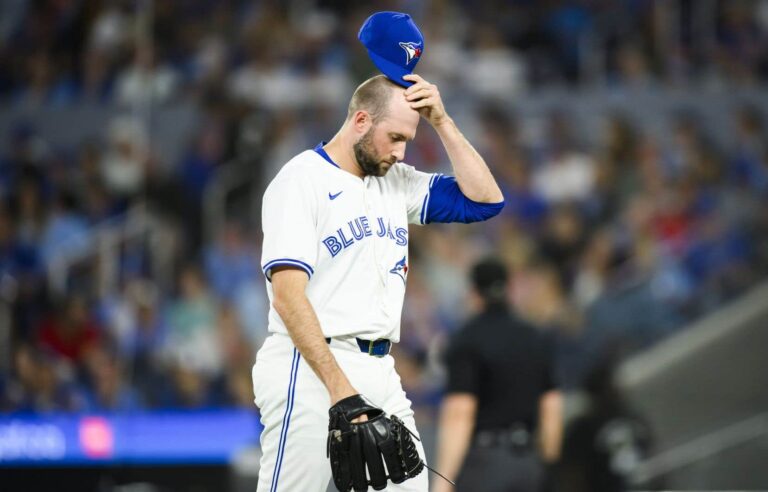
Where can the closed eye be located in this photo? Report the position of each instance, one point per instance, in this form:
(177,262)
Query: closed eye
(398,137)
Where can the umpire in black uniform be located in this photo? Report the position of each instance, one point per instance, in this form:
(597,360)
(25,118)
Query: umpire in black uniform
(501,418)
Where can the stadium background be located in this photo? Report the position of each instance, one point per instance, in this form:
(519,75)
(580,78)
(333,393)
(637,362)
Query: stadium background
(136,138)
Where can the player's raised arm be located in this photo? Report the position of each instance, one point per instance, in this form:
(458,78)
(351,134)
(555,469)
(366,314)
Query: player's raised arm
(472,174)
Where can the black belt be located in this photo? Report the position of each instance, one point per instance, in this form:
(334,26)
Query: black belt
(376,348)
(517,437)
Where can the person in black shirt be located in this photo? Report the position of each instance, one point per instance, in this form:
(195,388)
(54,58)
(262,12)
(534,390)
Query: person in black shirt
(502,414)
(604,446)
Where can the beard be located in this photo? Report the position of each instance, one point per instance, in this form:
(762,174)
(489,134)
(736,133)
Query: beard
(369,162)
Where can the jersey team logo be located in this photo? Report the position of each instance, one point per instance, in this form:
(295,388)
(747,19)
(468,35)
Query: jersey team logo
(400,269)
(412,50)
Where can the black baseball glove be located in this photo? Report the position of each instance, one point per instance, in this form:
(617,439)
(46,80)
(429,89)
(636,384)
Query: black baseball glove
(378,442)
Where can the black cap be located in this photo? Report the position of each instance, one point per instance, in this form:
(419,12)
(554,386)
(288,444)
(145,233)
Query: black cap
(489,278)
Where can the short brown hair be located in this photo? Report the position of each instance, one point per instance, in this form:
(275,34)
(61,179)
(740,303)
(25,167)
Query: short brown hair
(372,96)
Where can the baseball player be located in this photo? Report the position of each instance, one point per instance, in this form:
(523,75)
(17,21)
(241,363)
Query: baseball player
(335,255)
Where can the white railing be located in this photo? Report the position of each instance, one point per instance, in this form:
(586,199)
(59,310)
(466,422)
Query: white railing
(108,239)
(702,447)
(229,177)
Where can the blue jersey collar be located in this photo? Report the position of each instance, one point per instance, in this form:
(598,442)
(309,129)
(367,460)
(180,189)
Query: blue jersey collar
(320,150)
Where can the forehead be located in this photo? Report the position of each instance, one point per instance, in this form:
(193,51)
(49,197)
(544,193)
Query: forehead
(400,117)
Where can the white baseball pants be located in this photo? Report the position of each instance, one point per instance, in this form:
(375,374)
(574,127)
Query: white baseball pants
(294,411)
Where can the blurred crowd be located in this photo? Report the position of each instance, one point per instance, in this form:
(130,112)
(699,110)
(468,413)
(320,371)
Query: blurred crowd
(290,54)
(614,240)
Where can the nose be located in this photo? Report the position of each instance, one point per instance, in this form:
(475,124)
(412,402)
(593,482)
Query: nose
(399,153)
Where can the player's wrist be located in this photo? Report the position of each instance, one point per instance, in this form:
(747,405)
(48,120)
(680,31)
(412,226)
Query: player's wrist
(338,394)
(442,123)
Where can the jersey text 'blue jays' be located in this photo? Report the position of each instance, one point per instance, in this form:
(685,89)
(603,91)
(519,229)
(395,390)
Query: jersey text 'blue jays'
(360,228)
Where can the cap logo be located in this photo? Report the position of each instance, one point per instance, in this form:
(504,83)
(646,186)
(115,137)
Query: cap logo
(412,51)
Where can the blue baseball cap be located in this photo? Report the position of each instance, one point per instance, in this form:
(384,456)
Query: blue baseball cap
(394,44)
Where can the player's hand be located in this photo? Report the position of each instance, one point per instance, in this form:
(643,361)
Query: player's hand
(346,391)
(359,452)
(425,98)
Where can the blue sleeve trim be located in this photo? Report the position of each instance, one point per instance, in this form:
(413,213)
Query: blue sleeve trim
(446,203)
(286,262)
(425,204)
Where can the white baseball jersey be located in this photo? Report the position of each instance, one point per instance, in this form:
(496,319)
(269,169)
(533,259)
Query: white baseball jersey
(350,235)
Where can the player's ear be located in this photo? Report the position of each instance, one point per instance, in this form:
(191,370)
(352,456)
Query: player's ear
(362,121)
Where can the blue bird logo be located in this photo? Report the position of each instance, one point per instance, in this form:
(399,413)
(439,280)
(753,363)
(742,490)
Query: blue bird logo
(400,269)
(412,50)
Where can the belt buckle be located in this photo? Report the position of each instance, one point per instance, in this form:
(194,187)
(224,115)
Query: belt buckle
(372,346)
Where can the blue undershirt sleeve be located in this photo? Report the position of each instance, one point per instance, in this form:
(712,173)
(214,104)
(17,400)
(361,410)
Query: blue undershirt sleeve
(446,203)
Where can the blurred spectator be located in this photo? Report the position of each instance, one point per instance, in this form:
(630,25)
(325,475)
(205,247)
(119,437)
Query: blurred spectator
(232,269)
(200,165)
(327,81)
(230,263)
(96,79)
(146,80)
(562,241)
(66,231)
(19,262)
(46,86)
(87,170)
(29,208)
(210,62)
(137,328)
(288,137)
(503,151)
(110,30)
(628,313)
(444,269)
(539,296)
(540,299)
(591,276)
(124,164)
(491,69)
(568,24)
(749,164)
(239,357)
(191,341)
(420,323)
(606,444)
(566,174)
(188,390)
(265,80)
(71,333)
(133,319)
(633,67)
(252,305)
(741,43)
(109,390)
(97,205)
(717,259)
(35,386)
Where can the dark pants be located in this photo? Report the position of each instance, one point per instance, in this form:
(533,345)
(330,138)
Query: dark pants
(500,469)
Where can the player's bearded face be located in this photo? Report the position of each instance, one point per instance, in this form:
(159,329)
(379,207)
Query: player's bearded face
(368,159)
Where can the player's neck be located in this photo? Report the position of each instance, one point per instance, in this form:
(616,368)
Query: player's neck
(341,152)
